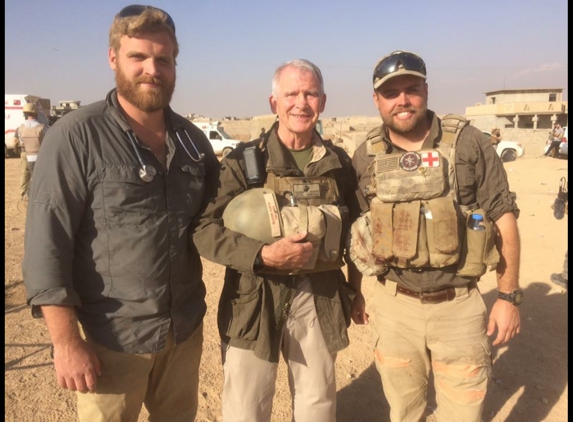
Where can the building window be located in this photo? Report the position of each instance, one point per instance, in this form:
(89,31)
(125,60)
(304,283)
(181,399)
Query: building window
(552,97)
(493,100)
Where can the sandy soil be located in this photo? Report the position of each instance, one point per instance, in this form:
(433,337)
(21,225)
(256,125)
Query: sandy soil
(530,373)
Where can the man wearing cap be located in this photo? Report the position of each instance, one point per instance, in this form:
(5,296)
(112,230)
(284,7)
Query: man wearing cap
(108,256)
(27,139)
(423,179)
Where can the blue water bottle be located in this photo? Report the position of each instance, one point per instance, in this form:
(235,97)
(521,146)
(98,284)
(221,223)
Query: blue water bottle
(476,222)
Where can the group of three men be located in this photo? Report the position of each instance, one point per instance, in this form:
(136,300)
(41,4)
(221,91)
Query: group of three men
(128,195)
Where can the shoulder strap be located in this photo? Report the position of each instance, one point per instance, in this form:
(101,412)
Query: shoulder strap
(452,125)
(374,142)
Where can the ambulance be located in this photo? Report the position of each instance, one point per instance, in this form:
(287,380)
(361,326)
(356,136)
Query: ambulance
(14,117)
(220,140)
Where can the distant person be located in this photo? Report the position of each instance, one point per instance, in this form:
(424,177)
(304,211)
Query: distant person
(283,294)
(108,255)
(557,139)
(562,279)
(560,208)
(437,212)
(262,134)
(495,137)
(27,140)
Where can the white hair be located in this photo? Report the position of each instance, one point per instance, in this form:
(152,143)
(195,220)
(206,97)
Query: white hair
(299,64)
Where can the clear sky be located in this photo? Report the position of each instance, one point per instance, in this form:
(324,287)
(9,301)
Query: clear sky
(229,49)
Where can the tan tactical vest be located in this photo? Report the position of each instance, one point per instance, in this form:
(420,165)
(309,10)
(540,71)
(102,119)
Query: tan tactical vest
(416,217)
(305,204)
(30,137)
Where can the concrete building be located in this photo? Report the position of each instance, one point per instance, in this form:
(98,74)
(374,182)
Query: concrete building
(519,109)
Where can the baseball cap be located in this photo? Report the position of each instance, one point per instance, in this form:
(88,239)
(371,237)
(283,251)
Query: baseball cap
(398,63)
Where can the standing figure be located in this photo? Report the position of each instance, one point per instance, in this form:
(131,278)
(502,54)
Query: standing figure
(27,140)
(557,134)
(278,224)
(436,195)
(108,255)
(495,137)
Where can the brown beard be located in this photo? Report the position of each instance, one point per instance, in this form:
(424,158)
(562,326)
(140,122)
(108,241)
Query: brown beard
(409,126)
(149,101)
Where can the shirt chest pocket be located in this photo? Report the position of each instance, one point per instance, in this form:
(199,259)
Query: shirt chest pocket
(128,200)
(188,186)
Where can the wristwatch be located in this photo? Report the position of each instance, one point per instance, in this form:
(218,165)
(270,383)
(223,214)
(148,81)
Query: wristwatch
(515,297)
(258,264)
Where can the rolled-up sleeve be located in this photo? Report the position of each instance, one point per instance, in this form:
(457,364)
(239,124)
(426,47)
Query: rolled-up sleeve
(58,196)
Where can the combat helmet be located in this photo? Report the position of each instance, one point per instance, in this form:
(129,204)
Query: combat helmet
(30,108)
(255,213)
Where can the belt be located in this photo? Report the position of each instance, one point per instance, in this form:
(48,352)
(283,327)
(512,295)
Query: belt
(447,294)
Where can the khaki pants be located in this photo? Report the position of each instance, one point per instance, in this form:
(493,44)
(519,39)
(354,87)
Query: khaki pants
(26,175)
(167,382)
(250,382)
(448,337)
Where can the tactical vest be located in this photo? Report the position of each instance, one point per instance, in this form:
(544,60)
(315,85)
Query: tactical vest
(30,137)
(416,218)
(306,203)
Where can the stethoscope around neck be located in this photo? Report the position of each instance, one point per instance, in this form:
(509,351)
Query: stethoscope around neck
(146,171)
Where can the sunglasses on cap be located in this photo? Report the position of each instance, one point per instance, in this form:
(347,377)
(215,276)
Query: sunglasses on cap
(391,64)
(137,9)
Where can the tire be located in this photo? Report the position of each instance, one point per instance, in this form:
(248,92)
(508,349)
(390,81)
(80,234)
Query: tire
(508,155)
(226,151)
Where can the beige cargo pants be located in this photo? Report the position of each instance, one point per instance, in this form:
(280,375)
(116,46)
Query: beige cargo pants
(448,338)
(167,382)
(250,382)
(25,175)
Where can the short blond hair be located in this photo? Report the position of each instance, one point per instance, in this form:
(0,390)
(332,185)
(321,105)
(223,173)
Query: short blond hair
(149,21)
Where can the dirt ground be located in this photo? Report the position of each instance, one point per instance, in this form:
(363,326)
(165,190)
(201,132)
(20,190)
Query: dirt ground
(530,374)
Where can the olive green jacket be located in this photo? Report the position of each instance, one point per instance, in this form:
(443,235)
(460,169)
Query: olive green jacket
(253,307)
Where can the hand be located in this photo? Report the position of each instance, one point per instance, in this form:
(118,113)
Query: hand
(289,253)
(76,366)
(505,317)
(358,311)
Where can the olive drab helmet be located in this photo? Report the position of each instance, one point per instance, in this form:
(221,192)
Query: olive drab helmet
(30,108)
(255,213)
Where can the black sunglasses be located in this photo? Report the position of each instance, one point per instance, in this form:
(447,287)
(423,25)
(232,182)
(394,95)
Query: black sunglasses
(137,9)
(391,64)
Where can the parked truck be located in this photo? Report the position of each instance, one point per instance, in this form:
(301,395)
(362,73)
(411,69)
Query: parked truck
(220,140)
(14,117)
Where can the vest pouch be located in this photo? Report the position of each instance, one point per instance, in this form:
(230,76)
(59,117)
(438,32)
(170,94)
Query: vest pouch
(309,219)
(330,245)
(406,226)
(381,216)
(442,222)
(479,249)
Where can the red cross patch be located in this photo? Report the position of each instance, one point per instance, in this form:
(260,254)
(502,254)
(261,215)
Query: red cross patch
(430,159)
(410,161)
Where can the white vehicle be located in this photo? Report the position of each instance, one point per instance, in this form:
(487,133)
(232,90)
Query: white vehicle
(13,116)
(508,150)
(220,140)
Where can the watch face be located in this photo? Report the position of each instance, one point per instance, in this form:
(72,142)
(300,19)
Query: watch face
(518,297)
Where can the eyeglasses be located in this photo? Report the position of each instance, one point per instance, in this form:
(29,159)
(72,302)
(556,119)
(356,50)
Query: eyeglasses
(391,64)
(137,9)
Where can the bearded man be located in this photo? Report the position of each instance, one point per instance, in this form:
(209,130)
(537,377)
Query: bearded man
(108,258)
